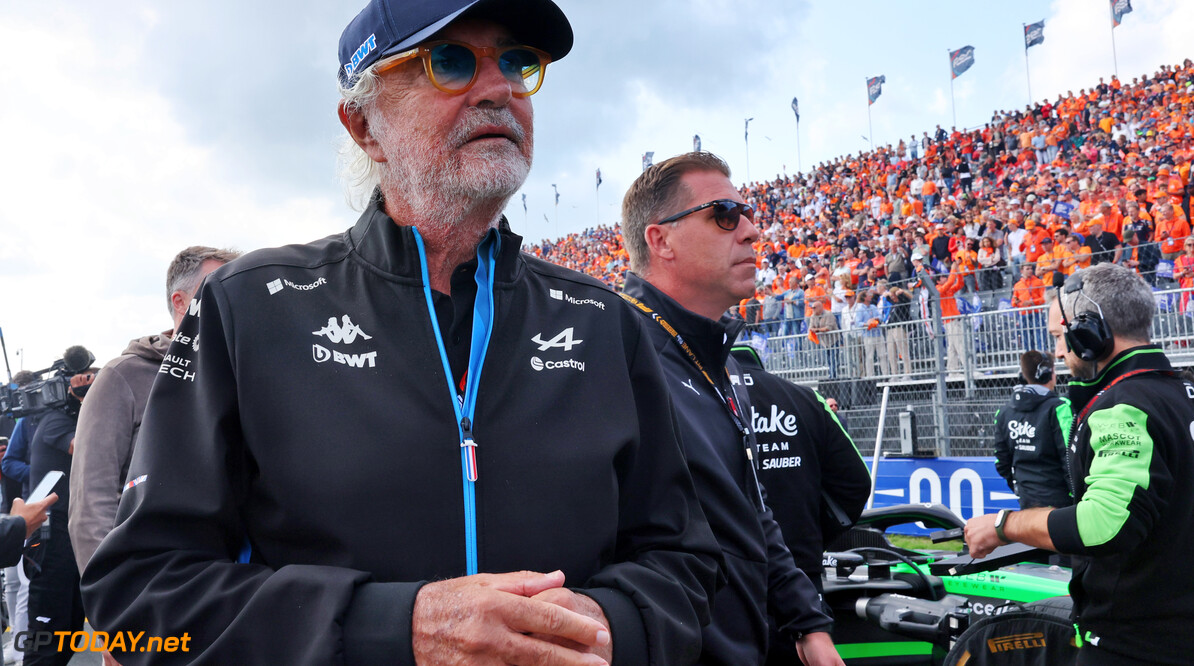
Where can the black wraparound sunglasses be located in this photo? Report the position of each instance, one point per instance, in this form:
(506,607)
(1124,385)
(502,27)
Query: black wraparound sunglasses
(726,213)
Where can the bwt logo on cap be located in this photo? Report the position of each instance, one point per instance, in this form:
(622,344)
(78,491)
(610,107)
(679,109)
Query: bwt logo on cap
(363,50)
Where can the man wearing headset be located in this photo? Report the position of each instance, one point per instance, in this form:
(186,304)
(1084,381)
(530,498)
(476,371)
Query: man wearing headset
(1030,436)
(1131,457)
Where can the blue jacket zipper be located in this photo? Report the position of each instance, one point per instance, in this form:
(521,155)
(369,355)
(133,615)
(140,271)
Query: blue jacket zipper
(465,406)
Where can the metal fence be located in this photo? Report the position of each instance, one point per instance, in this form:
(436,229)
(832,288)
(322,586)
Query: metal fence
(954,397)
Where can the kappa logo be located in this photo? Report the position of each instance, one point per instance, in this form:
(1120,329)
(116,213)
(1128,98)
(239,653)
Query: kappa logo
(564,340)
(345,331)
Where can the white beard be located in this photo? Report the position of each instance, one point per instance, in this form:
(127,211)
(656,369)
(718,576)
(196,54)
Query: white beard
(442,179)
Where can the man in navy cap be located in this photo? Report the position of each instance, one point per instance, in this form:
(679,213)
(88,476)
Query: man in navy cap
(357,451)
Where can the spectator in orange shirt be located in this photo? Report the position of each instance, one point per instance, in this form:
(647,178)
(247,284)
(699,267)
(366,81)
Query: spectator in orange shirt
(1171,231)
(1075,257)
(1183,271)
(1046,263)
(955,326)
(1029,294)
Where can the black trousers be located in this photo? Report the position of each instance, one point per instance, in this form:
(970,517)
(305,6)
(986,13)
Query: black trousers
(55,602)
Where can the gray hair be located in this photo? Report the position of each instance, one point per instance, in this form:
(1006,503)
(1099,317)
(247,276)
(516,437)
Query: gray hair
(358,172)
(184,272)
(1126,300)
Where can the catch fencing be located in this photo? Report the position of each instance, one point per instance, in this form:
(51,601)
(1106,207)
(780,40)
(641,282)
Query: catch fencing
(953,397)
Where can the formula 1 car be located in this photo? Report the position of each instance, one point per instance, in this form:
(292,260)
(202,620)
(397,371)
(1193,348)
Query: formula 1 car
(898,606)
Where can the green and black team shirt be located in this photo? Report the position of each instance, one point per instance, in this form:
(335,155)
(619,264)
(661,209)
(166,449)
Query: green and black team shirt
(1132,461)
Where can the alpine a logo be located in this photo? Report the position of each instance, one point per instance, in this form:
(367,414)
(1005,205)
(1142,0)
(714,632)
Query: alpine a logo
(564,340)
(322,354)
(559,295)
(344,331)
(540,365)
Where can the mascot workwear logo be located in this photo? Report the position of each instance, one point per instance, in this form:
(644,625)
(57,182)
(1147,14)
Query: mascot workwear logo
(346,332)
(563,340)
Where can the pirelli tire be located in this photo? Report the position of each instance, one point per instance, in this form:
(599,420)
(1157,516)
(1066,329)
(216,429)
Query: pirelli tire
(1040,634)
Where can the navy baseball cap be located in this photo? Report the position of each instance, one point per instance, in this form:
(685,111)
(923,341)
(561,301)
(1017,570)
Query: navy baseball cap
(386,27)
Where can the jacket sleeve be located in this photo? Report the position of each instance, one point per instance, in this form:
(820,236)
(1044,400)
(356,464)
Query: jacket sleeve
(12,540)
(103,440)
(15,464)
(791,597)
(1061,418)
(170,565)
(657,593)
(1127,487)
(1003,451)
(845,477)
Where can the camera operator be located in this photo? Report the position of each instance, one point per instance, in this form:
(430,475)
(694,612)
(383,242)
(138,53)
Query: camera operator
(1131,459)
(1030,436)
(55,602)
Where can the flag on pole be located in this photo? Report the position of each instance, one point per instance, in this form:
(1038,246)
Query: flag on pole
(796,109)
(648,159)
(1034,33)
(599,179)
(874,88)
(1118,9)
(524,203)
(696,143)
(553,187)
(961,60)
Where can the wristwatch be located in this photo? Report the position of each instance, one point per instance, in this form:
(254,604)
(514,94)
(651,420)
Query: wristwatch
(1000,522)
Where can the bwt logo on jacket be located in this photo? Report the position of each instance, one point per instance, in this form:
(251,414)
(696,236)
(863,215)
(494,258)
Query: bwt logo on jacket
(346,332)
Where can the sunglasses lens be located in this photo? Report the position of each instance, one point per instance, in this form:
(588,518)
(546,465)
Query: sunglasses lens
(727,214)
(522,67)
(452,65)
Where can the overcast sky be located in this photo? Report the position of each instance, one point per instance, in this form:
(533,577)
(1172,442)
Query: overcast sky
(131,130)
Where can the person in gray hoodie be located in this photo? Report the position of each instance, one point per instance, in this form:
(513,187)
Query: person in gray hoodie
(111,416)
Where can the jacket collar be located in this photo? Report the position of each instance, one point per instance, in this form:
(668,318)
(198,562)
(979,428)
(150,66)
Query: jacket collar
(390,246)
(1144,357)
(710,340)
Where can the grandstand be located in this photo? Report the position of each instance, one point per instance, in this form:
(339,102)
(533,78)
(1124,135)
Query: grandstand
(1100,175)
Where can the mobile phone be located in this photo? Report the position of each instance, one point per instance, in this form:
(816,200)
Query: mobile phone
(44,487)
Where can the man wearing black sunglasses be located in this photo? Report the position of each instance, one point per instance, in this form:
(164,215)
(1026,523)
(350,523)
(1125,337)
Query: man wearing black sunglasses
(410,443)
(689,236)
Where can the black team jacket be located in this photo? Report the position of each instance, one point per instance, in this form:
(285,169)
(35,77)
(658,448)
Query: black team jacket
(1132,458)
(762,577)
(302,468)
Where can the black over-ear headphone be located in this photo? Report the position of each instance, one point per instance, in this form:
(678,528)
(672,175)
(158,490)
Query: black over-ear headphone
(1044,371)
(1087,335)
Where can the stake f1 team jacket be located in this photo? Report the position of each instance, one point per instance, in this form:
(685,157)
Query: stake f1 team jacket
(1030,447)
(805,456)
(762,576)
(303,417)
(1132,461)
